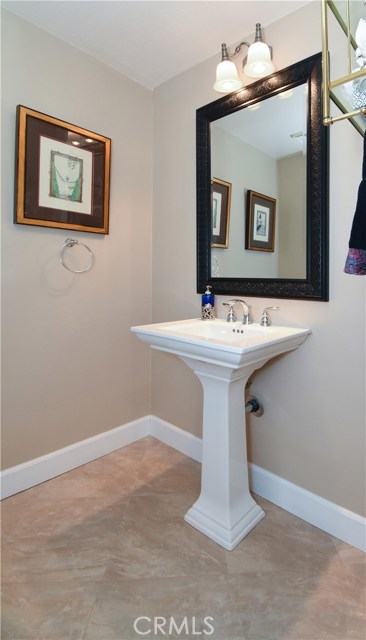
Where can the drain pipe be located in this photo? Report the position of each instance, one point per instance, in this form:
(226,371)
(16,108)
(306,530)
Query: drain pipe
(254,406)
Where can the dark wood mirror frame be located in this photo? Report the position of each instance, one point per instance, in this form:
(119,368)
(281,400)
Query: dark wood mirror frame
(315,285)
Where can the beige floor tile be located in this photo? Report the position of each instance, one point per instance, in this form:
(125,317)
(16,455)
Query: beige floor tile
(171,548)
(353,560)
(196,598)
(282,542)
(87,553)
(167,472)
(46,611)
(38,560)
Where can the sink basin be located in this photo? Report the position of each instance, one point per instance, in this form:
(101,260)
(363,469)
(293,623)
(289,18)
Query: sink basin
(223,356)
(219,341)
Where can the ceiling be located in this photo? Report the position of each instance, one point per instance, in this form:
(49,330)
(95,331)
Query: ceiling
(285,114)
(151,41)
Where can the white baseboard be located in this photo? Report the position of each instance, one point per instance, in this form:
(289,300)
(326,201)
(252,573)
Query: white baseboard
(328,516)
(175,437)
(26,475)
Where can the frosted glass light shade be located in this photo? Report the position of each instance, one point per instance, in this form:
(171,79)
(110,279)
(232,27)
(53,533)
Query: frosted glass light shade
(227,78)
(259,62)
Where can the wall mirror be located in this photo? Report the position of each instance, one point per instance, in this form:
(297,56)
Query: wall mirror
(262,188)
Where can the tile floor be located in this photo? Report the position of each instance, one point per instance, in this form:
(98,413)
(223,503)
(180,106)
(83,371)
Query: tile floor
(87,553)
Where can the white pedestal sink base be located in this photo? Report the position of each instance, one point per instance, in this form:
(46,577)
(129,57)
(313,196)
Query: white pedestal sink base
(227,538)
(225,510)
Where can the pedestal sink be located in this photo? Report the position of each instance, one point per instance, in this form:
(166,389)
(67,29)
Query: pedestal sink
(223,356)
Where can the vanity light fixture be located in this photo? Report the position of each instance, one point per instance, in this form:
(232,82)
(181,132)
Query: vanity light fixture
(257,64)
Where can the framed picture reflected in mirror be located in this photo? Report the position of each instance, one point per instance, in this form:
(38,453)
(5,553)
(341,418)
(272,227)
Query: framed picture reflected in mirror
(260,222)
(221,200)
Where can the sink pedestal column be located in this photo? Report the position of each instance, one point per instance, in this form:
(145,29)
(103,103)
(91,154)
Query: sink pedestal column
(225,511)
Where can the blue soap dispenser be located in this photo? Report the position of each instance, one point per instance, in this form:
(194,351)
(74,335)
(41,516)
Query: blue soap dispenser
(208,305)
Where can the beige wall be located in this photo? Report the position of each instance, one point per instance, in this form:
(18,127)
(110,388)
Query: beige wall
(292,216)
(71,367)
(313,430)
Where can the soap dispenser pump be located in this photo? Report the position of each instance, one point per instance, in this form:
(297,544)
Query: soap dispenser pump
(208,305)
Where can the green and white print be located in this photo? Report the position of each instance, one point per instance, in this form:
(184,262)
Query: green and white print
(65,177)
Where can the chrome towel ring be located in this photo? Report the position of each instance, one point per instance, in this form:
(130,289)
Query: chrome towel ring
(71,242)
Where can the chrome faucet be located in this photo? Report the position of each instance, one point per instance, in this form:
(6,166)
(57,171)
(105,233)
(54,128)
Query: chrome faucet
(246,311)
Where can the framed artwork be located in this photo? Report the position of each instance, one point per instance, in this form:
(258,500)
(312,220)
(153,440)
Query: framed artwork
(260,222)
(63,174)
(220,198)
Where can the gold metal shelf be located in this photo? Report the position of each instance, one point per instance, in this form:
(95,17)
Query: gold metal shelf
(343,102)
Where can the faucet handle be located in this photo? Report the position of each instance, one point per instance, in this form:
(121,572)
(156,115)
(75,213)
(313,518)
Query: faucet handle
(265,319)
(230,315)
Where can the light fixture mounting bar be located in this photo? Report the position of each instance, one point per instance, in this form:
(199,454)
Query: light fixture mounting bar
(238,48)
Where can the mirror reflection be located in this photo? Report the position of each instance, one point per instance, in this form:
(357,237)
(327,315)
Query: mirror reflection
(261,149)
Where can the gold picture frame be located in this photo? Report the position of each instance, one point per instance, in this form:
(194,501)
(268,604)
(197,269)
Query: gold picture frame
(63,174)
